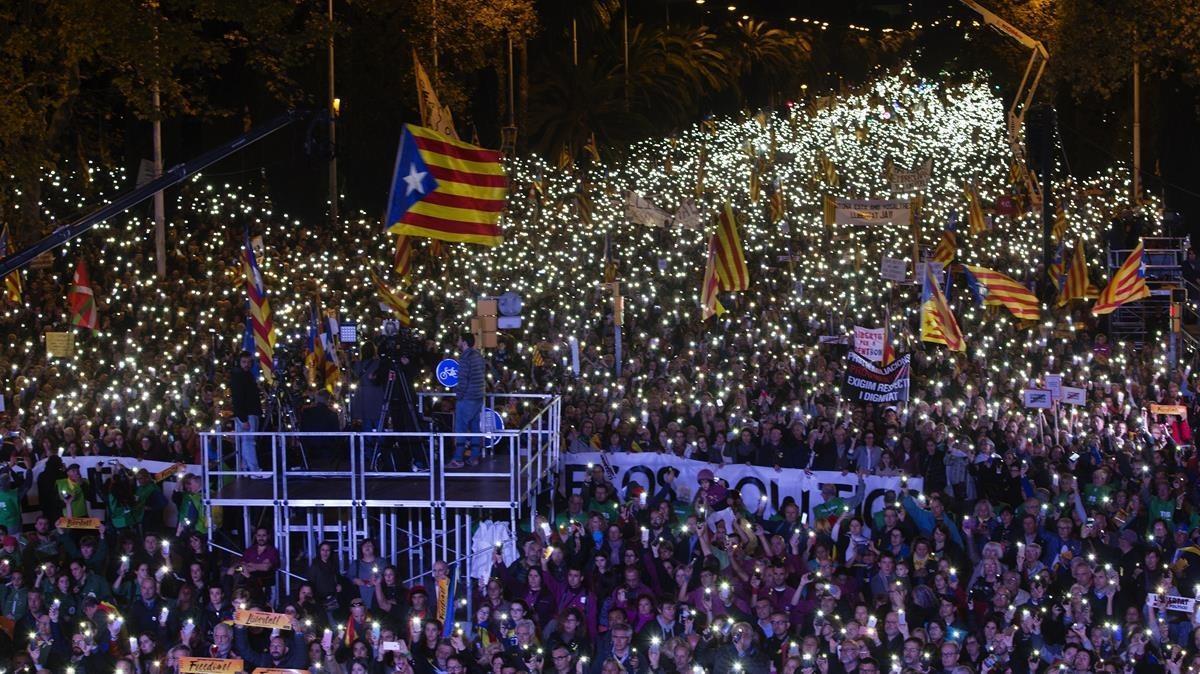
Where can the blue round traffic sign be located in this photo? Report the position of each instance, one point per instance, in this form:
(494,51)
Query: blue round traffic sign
(447,373)
(489,422)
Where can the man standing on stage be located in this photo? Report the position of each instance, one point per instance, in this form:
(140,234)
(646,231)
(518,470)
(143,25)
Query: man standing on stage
(472,382)
(247,410)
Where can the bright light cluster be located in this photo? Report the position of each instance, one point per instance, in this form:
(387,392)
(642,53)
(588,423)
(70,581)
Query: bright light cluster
(559,225)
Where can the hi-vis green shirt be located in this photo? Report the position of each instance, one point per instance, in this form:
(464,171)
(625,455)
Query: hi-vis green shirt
(77,506)
(10,510)
(191,513)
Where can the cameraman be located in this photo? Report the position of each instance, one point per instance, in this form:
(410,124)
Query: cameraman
(320,417)
(367,405)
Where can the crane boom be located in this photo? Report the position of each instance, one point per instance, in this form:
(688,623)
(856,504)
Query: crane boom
(1023,98)
(172,176)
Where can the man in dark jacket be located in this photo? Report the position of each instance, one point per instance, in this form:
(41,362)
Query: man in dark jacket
(284,652)
(247,410)
(468,405)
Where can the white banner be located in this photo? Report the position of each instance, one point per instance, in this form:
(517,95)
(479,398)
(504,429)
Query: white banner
(893,269)
(641,211)
(753,482)
(868,343)
(1171,602)
(1037,399)
(911,181)
(872,212)
(1074,396)
(687,215)
(926,268)
(1054,385)
(99,469)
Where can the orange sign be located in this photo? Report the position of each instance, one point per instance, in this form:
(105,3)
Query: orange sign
(210,666)
(78,523)
(280,621)
(168,472)
(1179,410)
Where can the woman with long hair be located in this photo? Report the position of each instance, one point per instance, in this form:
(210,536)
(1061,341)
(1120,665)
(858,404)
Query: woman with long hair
(390,595)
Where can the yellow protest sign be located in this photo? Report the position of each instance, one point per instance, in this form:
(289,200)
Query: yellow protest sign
(1179,410)
(78,523)
(168,472)
(60,344)
(280,621)
(210,666)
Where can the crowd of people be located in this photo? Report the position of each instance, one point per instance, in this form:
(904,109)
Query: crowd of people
(1033,544)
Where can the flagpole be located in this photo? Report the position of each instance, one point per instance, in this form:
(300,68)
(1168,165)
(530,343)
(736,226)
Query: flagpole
(333,180)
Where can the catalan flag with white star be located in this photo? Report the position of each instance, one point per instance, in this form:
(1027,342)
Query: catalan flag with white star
(446,189)
(1002,290)
(1057,272)
(1127,285)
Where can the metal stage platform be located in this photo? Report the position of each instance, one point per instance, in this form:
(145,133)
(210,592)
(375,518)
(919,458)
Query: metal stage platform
(346,487)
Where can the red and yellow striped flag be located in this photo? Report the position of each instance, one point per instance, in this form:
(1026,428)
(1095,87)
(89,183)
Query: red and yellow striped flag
(709,304)
(976,221)
(731,261)
(1127,285)
(398,301)
(261,323)
(404,253)
(12,282)
(1059,230)
(947,247)
(446,189)
(937,321)
(1003,290)
(1078,285)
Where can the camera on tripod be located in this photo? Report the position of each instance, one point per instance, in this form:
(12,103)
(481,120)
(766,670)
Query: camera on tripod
(386,397)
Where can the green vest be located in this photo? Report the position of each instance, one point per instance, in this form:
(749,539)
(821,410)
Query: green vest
(78,506)
(120,516)
(10,511)
(192,513)
(141,496)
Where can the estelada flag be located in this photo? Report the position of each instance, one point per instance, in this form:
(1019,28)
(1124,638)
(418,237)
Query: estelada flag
(81,301)
(446,189)
(1127,285)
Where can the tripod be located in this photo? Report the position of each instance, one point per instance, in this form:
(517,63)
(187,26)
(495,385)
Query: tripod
(384,409)
(408,422)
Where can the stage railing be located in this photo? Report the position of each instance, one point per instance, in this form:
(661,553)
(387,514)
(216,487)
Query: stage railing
(357,479)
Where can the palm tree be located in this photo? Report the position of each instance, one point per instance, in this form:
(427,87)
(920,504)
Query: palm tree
(767,60)
(672,72)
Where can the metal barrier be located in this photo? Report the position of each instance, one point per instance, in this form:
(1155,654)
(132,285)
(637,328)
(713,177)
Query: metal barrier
(340,487)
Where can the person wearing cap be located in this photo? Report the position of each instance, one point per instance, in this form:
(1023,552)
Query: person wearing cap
(418,604)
